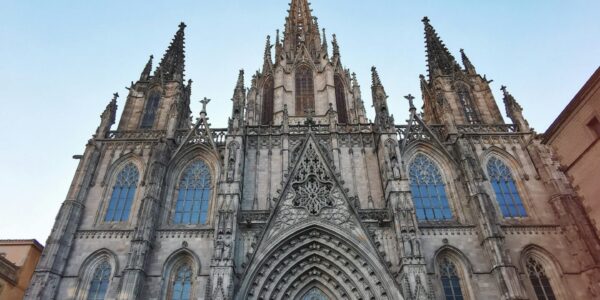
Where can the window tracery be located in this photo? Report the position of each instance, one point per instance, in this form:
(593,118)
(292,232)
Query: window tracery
(505,189)
(99,282)
(181,286)
(122,195)
(428,190)
(193,194)
(450,280)
(539,280)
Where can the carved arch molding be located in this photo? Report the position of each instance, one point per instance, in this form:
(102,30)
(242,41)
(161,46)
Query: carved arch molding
(317,257)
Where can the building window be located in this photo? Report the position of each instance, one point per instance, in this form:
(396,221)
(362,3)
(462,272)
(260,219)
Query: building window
(428,190)
(505,189)
(594,126)
(464,97)
(315,294)
(539,280)
(122,195)
(99,283)
(305,93)
(340,100)
(450,280)
(193,194)
(150,110)
(268,97)
(181,287)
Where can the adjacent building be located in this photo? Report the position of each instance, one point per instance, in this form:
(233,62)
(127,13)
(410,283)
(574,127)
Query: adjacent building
(300,196)
(18,259)
(575,137)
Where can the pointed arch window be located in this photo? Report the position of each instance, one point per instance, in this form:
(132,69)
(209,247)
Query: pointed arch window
(340,100)
(464,97)
(268,98)
(505,189)
(193,194)
(305,93)
(450,280)
(99,283)
(428,190)
(181,286)
(150,110)
(315,294)
(122,195)
(539,280)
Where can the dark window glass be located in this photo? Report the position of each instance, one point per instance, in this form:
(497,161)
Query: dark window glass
(123,191)
(340,100)
(464,97)
(539,280)
(193,195)
(182,284)
(305,93)
(428,190)
(450,280)
(505,189)
(150,110)
(268,96)
(99,283)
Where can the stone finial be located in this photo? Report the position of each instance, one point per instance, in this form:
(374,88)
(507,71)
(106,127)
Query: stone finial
(204,102)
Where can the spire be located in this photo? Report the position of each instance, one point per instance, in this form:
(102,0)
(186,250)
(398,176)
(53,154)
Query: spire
(107,118)
(336,47)
(382,115)
(301,28)
(324,45)
(147,69)
(172,65)
(267,59)
(239,100)
(375,81)
(439,59)
(514,111)
(467,63)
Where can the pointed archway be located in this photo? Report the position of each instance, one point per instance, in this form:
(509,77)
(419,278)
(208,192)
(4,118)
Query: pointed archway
(314,236)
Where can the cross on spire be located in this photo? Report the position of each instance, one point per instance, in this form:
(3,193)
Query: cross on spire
(410,99)
(204,103)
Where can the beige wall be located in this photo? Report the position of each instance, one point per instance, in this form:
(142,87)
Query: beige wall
(578,147)
(25,255)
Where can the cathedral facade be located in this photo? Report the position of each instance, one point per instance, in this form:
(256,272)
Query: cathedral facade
(302,197)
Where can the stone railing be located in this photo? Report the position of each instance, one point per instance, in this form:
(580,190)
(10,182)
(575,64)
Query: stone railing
(218,135)
(136,135)
(487,128)
(418,132)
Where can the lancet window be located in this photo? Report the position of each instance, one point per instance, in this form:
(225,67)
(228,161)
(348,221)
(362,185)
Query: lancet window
(340,100)
(122,195)
(539,280)
(464,97)
(305,94)
(150,110)
(268,97)
(99,283)
(181,285)
(505,189)
(193,194)
(428,190)
(450,280)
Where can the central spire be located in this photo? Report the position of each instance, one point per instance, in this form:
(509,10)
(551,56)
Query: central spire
(439,59)
(301,28)
(172,65)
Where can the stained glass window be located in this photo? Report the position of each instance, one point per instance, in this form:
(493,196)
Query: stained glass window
(182,283)
(505,189)
(428,190)
(539,280)
(464,97)
(99,283)
(450,280)
(305,98)
(315,294)
(150,110)
(268,96)
(122,195)
(193,195)
(340,100)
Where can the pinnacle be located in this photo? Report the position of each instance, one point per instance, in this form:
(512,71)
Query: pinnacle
(375,76)
(439,59)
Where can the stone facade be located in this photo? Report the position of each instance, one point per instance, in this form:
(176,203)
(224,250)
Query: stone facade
(575,136)
(18,259)
(301,196)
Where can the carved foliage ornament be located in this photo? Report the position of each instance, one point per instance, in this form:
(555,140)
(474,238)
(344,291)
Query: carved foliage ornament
(312,185)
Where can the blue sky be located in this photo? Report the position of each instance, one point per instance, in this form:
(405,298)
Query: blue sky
(62,60)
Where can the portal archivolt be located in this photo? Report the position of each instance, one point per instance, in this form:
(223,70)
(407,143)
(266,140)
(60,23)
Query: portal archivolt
(315,255)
